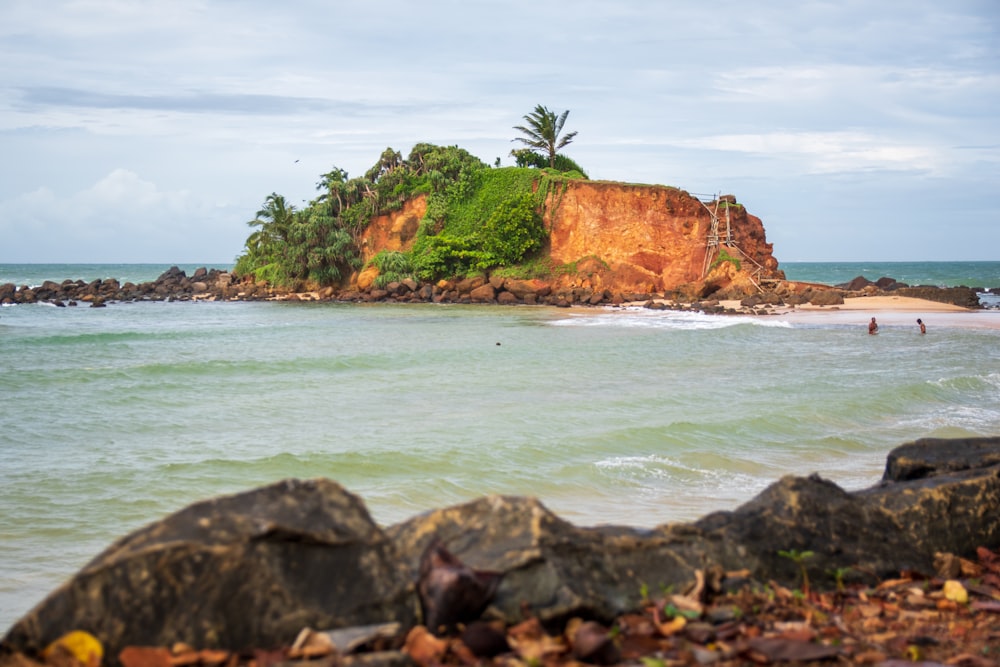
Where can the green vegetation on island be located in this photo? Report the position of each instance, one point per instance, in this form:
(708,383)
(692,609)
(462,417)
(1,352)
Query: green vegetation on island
(478,217)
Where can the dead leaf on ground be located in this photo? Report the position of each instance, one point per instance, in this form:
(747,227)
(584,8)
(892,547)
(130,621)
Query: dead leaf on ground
(986,605)
(786,650)
(423,647)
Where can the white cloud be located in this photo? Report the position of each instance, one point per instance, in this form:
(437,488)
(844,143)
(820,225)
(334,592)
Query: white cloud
(203,100)
(826,152)
(120,218)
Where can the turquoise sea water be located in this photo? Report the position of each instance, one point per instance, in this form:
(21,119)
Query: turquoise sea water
(113,417)
(940,274)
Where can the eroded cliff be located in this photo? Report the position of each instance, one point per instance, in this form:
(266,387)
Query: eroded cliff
(627,238)
(655,238)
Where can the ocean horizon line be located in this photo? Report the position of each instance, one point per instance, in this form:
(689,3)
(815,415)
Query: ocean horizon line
(982,275)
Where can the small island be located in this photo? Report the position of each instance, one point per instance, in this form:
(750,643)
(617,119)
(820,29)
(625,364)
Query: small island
(442,226)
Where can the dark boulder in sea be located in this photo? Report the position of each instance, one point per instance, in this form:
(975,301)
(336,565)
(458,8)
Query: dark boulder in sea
(888,284)
(251,570)
(173,284)
(855,285)
(966,297)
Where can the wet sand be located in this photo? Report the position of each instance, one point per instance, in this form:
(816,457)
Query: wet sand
(892,311)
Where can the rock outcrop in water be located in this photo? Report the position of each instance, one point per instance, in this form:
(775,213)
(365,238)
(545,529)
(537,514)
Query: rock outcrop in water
(172,285)
(623,239)
(967,297)
(250,570)
(217,285)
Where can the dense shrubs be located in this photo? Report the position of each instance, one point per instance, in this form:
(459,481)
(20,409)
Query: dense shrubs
(477,218)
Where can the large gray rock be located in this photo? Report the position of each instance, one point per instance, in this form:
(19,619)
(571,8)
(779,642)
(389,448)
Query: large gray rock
(946,499)
(551,568)
(236,572)
(932,456)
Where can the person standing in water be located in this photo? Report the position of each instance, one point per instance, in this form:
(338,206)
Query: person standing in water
(872,327)
(923,327)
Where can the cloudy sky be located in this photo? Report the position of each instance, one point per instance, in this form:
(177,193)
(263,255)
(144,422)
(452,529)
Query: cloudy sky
(151,131)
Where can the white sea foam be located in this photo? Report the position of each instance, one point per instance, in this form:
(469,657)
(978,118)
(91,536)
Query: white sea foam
(645,318)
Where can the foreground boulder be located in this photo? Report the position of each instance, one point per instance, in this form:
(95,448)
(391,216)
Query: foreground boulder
(251,570)
(239,572)
(551,567)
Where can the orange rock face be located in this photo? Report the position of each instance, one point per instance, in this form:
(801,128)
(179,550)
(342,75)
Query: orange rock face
(627,238)
(393,231)
(651,238)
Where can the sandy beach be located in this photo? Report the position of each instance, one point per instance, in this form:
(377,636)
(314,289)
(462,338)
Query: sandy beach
(892,311)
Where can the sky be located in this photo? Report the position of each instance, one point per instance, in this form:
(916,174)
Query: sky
(152,131)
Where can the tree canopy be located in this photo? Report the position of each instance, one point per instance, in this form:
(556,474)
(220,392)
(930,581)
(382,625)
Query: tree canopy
(478,218)
(541,134)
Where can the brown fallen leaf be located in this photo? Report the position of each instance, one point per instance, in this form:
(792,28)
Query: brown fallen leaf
(869,657)
(591,642)
(268,657)
(530,641)
(637,646)
(529,629)
(532,648)
(212,657)
(636,625)
(802,632)
(484,640)
(18,659)
(144,656)
(989,559)
(423,647)
(787,650)
(894,583)
(185,658)
(969,660)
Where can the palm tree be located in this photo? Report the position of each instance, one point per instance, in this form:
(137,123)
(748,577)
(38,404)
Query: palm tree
(542,132)
(275,218)
(331,184)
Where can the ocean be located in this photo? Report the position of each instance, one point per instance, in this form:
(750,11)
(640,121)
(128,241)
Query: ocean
(114,417)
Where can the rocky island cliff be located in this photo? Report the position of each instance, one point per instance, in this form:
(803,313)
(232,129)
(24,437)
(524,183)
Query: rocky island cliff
(604,243)
(625,239)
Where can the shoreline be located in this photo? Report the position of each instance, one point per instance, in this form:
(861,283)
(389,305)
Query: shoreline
(892,311)
(214,285)
(889,310)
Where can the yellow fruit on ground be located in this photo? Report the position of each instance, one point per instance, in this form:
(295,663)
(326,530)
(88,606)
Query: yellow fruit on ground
(83,646)
(955,591)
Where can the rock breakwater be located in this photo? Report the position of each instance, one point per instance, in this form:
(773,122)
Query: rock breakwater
(172,285)
(215,285)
